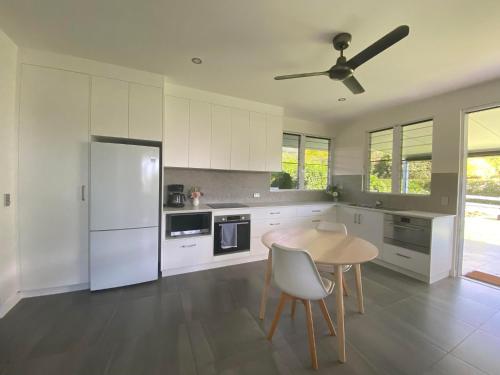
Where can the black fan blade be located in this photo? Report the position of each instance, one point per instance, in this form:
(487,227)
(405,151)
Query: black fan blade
(353,85)
(290,76)
(379,46)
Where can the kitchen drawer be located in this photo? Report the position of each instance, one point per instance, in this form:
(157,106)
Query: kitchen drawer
(408,259)
(273,212)
(185,252)
(259,227)
(316,210)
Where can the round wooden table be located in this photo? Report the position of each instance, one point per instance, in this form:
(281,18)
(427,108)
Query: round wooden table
(326,248)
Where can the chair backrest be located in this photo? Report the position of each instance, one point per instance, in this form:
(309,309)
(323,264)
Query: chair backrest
(332,227)
(295,273)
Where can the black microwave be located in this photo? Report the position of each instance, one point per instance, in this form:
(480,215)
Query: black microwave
(188,224)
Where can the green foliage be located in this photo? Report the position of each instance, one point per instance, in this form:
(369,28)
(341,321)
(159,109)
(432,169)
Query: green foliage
(282,180)
(483,176)
(383,167)
(382,185)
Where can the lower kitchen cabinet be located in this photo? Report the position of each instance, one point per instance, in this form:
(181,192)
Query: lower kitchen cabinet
(187,252)
(366,224)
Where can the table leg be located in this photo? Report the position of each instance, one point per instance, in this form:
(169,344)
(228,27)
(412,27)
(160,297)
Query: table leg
(359,288)
(340,312)
(267,283)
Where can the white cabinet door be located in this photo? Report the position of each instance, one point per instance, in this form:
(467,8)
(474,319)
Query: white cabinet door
(145,112)
(274,142)
(109,107)
(186,252)
(371,225)
(349,216)
(176,134)
(240,139)
(53,177)
(220,153)
(200,133)
(258,140)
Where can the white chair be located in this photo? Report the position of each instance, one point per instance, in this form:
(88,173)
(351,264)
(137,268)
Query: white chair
(339,228)
(295,273)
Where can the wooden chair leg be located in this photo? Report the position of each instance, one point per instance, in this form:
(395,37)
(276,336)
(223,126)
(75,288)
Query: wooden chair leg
(277,316)
(359,288)
(327,317)
(310,330)
(345,288)
(294,304)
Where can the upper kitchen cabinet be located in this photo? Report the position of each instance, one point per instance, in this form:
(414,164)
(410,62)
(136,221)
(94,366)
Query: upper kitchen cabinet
(53,177)
(274,141)
(109,107)
(200,133)
(176,135)
(258,142)
(240,139)
(145,112)
(220,153)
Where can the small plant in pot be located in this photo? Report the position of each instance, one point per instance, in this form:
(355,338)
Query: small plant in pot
(195,194)
(334,191)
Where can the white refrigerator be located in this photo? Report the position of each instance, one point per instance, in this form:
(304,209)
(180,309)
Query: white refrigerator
(124,214)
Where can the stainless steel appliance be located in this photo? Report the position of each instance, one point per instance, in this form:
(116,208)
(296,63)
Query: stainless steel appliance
(175,195)
(226,205)
(239,225)
(188,224)
(408,232)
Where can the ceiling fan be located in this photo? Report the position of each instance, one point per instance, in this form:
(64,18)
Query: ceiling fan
(343,70)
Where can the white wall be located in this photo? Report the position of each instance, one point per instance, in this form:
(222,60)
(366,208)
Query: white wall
(445,109)
(296,125)
(8,177)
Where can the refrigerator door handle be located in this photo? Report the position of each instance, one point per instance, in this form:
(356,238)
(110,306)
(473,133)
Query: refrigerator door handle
(83,193)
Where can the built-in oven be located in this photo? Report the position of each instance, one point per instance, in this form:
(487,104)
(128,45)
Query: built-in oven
(188,224)
(231,234)
(408,232)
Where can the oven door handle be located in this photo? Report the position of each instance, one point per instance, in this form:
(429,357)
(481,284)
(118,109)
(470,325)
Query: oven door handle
(416,229)
(236,222)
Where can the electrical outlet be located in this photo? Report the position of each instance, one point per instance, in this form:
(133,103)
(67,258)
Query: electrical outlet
(6,200)
(256,195)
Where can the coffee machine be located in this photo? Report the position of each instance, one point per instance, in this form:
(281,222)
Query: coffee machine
(175,195)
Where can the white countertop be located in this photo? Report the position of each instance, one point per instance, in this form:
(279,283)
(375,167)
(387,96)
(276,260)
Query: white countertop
(189,208)
(412,213)
(204,208)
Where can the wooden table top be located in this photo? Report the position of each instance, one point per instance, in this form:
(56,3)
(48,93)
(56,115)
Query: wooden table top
(325,247)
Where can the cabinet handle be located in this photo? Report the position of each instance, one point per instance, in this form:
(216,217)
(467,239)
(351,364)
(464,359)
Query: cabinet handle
(83,193)
(274,213)
(403,256)
(315,221)
(274,223)
(316,210)
(192,245)
(359,218)
(356,218)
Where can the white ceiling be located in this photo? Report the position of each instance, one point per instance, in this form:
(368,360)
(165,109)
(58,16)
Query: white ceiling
(452,43)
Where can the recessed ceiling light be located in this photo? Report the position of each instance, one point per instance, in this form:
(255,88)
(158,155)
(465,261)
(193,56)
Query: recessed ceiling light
(196,60)
(341,99)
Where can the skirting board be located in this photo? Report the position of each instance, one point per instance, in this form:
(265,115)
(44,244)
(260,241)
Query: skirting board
(13,300)
(9,304)
(411,274)
(207,266)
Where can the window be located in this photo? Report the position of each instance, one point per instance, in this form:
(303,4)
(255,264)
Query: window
(416,158)
(305,163)
(380,168)
(411,146)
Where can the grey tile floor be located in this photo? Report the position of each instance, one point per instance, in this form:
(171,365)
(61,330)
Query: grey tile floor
(206,323)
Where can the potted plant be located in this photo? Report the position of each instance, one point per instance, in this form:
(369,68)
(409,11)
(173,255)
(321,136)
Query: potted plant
(334,191)
(195,194)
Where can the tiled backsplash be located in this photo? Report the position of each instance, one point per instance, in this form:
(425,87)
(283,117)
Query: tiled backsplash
(236,186)
(442,185)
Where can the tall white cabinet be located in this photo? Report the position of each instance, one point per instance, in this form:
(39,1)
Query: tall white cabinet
(53,177)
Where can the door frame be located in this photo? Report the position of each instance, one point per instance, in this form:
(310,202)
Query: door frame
(462,183)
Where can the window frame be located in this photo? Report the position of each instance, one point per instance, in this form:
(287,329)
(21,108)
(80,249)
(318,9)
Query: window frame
(396,171)
(301,166)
